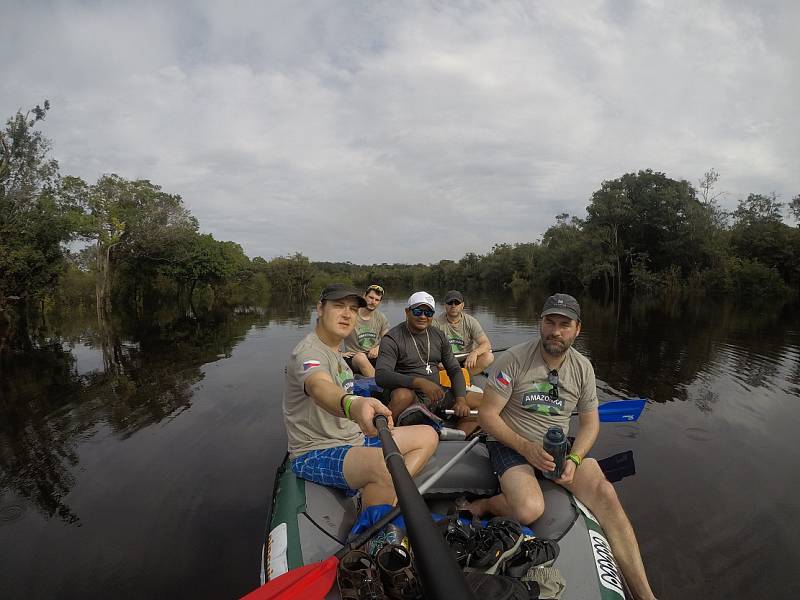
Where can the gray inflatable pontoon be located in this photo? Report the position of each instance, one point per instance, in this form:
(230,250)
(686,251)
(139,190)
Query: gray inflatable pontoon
(309,523)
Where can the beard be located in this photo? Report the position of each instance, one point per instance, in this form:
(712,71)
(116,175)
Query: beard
(556,347)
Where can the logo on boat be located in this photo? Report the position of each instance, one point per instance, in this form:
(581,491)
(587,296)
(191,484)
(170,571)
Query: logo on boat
(606,565)
(541,400)
(310,364)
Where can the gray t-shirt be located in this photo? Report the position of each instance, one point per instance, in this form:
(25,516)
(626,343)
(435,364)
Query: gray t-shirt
(308,426)
(367,333)
(403,356)
(463,337)
(520,376)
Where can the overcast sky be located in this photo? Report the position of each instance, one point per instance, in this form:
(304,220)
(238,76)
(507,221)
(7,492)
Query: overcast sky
(407,131)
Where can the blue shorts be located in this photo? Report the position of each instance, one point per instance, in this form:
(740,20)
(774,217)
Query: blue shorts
(503,458)
(326,466)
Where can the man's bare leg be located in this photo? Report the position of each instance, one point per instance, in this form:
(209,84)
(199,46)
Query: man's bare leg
(521,497)
(399,400)
(365,469)
(361,362)
(590,486)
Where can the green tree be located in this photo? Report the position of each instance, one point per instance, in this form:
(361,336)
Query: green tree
(651,217)
(128,221)
(759,234)
(34,222)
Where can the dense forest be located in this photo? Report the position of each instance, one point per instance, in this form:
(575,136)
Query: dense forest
(644,233)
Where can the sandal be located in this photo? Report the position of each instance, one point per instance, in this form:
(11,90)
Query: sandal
(533,552)
(459,537)
(399,580)
(358,577)
(495,543)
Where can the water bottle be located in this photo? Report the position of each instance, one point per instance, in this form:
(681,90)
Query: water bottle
(555,443)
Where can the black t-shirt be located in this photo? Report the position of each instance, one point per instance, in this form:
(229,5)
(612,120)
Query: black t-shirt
(404,355)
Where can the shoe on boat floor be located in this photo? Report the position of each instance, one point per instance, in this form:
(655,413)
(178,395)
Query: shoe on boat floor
(358,577)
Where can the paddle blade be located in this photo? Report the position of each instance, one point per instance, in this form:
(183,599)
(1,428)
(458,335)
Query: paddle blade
(619,411)
(618,466)
(309,582)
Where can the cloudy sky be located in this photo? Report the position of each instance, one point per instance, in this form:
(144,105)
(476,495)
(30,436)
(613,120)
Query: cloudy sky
(407,131)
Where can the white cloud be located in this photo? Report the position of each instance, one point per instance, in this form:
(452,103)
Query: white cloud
(407,131)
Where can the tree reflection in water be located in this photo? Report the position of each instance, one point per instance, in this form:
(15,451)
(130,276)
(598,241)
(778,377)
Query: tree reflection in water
(149,368)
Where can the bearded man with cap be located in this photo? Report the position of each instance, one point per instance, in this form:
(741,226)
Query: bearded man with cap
(407,365)
(531,387)
(330,430)
(465,334)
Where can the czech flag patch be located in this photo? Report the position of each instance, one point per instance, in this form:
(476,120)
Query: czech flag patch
(503,379)
(310,364)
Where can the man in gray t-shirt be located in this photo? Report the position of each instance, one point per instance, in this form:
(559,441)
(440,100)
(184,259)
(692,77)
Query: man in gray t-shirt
(326,425)
(362,345)
(464,333)
(536,385)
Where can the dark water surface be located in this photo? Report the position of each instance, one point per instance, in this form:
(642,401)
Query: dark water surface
(137,459)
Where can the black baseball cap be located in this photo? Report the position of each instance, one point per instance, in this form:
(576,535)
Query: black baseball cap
(562,304)
(337,291)
(453,295)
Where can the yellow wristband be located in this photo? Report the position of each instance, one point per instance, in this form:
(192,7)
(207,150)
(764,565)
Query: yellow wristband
(347,404)
(574,458)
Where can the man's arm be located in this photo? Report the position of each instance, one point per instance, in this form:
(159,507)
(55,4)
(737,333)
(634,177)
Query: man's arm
(327,395)
(589,428)
(490,421)
(484,345)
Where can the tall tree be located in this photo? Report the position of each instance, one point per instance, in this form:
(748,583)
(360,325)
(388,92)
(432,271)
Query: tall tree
(127,220)
(34,222)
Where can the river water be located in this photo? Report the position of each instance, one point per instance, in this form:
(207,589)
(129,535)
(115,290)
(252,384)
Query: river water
(137,460)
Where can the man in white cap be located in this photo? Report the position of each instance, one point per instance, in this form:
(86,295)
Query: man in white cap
(326,424)
(407,366)
(536,385)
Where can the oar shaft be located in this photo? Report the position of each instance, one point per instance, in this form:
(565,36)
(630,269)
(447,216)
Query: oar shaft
(441,576)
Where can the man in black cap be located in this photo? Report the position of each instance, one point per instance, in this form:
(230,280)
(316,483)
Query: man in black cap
(326,424)
(464,333)
(531,387)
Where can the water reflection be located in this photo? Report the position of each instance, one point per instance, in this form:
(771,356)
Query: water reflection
(67,374)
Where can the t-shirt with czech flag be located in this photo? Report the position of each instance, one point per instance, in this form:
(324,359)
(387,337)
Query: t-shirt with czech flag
(521,377)
(308,426)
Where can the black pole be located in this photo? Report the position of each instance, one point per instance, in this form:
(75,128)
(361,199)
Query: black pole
(441,576)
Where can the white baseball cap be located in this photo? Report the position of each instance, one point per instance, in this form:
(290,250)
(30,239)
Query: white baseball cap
(418,298)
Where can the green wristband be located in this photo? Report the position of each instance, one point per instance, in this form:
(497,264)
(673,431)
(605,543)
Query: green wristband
(574,458)
(347,404)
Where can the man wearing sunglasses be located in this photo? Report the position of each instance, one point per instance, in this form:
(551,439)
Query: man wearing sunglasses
(531,387)
(408,362)
(465,334)
(362,345)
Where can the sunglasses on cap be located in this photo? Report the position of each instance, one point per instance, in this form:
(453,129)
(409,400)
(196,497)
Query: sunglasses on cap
(453,302)
(418,311)
(377,288)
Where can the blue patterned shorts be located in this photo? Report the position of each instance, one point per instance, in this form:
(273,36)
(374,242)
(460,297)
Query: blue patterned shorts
(326,466)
